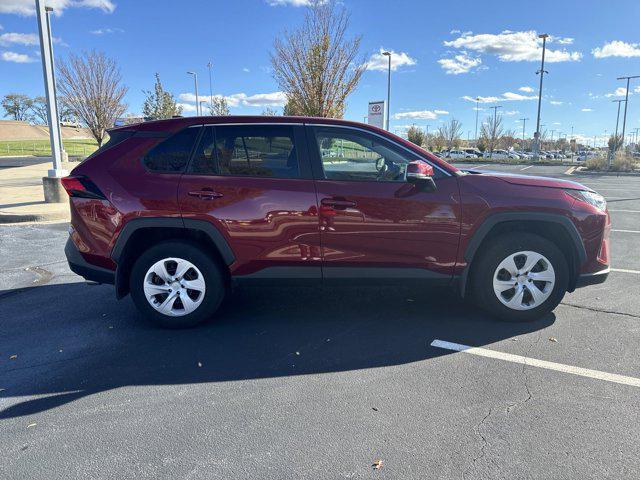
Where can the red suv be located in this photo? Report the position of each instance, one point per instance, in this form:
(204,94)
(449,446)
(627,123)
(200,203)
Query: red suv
(176,212)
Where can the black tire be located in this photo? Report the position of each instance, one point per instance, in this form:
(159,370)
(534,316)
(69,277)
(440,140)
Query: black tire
(215,285)
(494,252)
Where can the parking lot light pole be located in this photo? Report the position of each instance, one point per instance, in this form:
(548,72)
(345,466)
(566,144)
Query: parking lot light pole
(388,55)
(210,66)
(53,191)
(615,138)
(477,111)
(626,103)
(524,124)
(63,155)
(493,130)
(544,37)
(195,80)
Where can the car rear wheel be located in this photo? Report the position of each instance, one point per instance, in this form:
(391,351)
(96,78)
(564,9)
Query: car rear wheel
(520,277)
(177,285)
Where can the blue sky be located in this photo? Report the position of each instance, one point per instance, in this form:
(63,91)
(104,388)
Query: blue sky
(444,54)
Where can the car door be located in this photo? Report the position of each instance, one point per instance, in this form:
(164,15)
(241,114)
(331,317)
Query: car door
(253,183)
(373,224)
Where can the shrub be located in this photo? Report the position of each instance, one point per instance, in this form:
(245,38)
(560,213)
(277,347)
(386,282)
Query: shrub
(596,163)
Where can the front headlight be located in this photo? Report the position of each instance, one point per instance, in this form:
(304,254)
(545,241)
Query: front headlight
(594,199)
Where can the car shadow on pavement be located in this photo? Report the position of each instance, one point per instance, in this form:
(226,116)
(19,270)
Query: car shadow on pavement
(63,342)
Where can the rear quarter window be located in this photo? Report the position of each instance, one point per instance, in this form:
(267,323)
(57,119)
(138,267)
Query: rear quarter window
(172,155)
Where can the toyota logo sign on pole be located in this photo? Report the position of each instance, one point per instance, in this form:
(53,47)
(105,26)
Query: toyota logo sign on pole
(376,114)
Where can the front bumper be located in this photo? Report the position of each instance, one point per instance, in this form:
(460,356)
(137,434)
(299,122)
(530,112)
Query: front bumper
(592,278)
(80,266)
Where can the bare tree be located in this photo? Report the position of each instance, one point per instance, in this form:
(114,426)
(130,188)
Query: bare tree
(92,86)
(490,131)
(269,112)
(39,109)
(451,132)
(507,140)
(415,135)
(314,65)
(219,107)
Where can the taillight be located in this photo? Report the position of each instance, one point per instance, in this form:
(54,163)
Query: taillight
(81,187)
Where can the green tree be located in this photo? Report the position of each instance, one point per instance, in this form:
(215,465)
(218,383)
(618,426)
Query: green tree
(159,103)
(219,107)
(316,64)
(416,135)
(17,106)
(39,110)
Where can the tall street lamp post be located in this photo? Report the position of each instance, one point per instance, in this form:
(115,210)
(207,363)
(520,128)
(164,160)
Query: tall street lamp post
(626,103)
(542,71)
(493,130)
(53,190)
(195,80)
(477,110)
(388,55)
(210,66)
(524,124)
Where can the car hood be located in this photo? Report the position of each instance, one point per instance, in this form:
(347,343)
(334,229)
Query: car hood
(532,181)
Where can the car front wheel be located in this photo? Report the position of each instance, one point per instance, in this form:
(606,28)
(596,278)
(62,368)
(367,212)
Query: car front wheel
(520,277)
(176,285)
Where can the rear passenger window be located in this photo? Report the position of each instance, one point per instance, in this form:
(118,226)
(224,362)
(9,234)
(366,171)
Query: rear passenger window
(256,151)
(172,155)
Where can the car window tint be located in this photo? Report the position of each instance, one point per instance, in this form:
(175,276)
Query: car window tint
(171,155)
(355,156)
(257,151)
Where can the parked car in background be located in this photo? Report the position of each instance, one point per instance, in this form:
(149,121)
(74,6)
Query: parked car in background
(473,153)
(178,212)
(501,155)
(458,154)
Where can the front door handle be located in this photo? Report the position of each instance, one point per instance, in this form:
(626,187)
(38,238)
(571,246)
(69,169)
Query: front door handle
(338,203)
(205,194)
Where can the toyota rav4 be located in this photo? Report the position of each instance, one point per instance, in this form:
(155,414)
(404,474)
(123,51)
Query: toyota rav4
(176,212)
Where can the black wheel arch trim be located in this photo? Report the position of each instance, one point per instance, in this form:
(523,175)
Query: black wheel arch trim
(165,222)
(495,219)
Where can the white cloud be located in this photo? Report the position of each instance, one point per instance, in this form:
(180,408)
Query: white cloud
(555,102)
(19,39)
(526,89)
(562,40)
(246,70)
(510,113)
(505,97)
(274,99)
(587,110)
(16,57)
(517,96)
(106,31)
(619,92)
(380,62)
(617,48)
(556,123)
(462,63)
(27,7)
(421,114)
(511,46)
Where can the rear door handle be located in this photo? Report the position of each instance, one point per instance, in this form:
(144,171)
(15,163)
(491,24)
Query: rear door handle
(205,194)
(338,204)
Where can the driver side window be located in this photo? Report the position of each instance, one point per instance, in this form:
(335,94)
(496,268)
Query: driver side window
(349,155)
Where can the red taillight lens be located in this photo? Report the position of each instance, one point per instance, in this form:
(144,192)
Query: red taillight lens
(81,187)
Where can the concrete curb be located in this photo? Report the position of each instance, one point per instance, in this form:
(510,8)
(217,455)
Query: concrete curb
(33,217)
(607,174)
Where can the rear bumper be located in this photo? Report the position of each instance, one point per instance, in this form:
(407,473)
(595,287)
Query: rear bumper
(592,278)
(80,266)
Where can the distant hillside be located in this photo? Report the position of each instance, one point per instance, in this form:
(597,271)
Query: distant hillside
(14,130)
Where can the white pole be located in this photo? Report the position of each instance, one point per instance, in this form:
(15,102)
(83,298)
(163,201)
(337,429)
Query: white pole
(52,110)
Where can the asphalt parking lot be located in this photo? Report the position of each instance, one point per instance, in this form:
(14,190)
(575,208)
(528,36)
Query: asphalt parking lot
(299,383)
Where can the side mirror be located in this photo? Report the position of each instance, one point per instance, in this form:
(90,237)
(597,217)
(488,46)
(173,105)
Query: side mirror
(420,173)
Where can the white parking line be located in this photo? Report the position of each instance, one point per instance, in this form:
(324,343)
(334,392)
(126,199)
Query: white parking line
(624,270)
(570,171)
(533,362)
(526,167)
(625,231)
(626,211)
